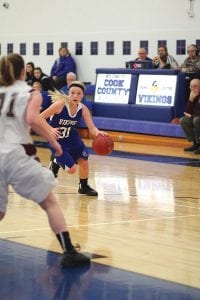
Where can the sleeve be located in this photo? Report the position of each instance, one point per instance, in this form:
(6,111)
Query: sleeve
(69,65)
(189,107)
(173,63)
(53,69)
(196,107)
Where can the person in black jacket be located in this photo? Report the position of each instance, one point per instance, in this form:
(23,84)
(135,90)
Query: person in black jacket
(45,80)
(29,72)
(190,122)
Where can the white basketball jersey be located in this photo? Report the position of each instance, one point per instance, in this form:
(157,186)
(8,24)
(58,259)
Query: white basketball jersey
(13,104)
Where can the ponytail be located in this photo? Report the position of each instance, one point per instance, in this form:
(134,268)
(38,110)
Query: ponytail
(10,69)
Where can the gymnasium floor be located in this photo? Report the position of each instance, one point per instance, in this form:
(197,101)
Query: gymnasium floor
(142,232)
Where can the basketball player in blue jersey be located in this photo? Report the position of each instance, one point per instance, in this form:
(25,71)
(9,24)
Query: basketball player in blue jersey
(65,114)
(20,110)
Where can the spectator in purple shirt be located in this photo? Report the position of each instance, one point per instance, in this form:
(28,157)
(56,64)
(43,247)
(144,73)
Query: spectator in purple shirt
(62,65)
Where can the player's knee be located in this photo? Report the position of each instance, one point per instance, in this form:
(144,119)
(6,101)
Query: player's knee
(72,170)
(2,215)
(48,201)
(83,164)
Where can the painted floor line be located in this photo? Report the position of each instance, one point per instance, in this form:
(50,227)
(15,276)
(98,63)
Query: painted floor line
(102,223)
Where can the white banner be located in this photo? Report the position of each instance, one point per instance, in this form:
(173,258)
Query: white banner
(112,88)
(158,90)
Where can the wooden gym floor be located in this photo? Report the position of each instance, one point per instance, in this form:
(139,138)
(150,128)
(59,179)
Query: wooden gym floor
(142,231)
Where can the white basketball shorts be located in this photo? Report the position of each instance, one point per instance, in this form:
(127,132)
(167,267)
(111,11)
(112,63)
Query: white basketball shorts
(26,175)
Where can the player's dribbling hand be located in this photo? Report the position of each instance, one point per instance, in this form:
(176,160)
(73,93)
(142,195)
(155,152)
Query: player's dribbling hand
(101,132)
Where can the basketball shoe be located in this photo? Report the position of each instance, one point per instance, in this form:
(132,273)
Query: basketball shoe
(191,148)
(74,258)
(87,190)
(54,167)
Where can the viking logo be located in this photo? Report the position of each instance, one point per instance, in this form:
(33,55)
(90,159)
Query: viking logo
(154,87)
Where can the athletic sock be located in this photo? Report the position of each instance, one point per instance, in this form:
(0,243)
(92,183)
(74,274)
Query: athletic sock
(84,182)
(65,241)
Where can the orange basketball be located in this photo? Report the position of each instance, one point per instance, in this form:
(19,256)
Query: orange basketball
(103,144)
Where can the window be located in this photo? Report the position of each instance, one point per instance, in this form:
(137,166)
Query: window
(145,45)
(22,48)
(110,48)
(79,48)
(198,45)
(180,47)
(126,48)
(162,42)
(64,44)
(94,48)
(9,48)
(36,48)
(49,48)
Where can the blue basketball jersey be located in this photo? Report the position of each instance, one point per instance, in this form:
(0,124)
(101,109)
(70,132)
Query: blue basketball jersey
(70,140)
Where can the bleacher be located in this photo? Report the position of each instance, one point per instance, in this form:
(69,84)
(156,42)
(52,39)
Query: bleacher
(138,119)
(144,124)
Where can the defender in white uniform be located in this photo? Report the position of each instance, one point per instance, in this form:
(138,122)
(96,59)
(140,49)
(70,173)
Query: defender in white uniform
(19,110)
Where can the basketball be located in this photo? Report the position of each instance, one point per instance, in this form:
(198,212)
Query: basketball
(103,144)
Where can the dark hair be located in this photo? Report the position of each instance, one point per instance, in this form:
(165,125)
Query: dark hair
(38,69)
(30,63)
(164,47)
(11,67)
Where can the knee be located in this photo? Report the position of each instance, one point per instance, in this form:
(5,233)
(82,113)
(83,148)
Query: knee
(196,122)
(83,163)
(182,121)
(2,215)
(48,201)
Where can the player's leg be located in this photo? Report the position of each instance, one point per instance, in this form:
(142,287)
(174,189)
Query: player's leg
(62,162)
(71,258)
(54,166)
(80,155)
(33,181)
(66,162)
(84,187)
